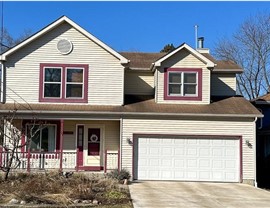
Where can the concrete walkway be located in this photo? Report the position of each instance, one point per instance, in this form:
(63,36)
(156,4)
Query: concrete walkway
(194,194)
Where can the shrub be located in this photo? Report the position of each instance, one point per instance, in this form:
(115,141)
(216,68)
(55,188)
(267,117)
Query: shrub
(119,175)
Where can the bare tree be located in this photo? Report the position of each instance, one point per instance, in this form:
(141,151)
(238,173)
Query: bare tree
(7,41)
(249,47)
(11,139)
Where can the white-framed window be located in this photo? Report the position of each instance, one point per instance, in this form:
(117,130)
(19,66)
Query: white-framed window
(44,138)
(74,82)
(52,82)
(182,83)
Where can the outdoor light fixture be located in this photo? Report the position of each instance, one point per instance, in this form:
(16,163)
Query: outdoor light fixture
(248,144)
(129,141)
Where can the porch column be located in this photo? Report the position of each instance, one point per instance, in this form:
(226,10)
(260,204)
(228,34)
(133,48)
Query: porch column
(61,143)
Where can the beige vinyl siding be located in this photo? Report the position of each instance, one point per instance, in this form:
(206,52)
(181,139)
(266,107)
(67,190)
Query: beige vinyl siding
(112,134)
(105,81)
(183,59)
(139,83)
(217,127)
(223,84)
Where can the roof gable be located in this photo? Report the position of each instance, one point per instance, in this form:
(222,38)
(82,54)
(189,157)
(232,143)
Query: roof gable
(53,25)
(205,60)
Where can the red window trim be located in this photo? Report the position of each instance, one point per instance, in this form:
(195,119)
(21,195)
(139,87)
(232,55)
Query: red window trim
(177,97)
(63,82)
(53,122)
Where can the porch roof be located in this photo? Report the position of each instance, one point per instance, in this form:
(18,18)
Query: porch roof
(139,106)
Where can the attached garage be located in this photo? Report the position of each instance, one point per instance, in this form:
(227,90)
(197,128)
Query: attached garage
(187,158)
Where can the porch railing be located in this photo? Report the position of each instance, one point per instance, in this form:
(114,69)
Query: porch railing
(38,160)
(112,160)
(28,161)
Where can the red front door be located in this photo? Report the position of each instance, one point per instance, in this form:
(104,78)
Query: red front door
(93,142)
(80,138)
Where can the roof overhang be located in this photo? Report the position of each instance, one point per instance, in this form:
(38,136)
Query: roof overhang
(228,71)
(209,63)
(118,115)
(59,21)
(262,102)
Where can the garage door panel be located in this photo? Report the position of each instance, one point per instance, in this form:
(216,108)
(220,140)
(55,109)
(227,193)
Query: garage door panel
(230,164)
(217,164)
(179,163)
(230,152)
(153,162)
(179,141)
(191,163)
(204,152)
(154,151)
(204,175)
(217,152)
(167,163)
(167,151)
(179,151)
(190,159)
(192,152)
(205,163)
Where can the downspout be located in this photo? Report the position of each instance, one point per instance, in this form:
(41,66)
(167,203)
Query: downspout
(255,153)
(120,148)
(2,81)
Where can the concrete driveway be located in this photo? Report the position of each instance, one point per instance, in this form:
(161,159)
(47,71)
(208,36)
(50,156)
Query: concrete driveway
(194,194)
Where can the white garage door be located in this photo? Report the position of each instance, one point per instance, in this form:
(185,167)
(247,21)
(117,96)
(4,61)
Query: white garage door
(187,159)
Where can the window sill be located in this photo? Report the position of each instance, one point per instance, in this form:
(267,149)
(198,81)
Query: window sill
(60,100)
(196,98)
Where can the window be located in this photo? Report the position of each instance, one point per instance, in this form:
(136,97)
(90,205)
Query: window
(63,83)
(74,84)
(52,82)
(182,84)
(44,139)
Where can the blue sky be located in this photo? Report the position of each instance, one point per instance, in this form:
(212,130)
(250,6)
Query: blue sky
(137,26)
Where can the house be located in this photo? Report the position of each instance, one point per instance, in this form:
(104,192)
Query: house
(263,141)
(161,116)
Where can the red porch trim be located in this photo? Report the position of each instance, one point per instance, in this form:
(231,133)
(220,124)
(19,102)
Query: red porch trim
(91,168)
(1,155)
(118,162)
(28,159)
(77,161)
(105,162)
(61,143)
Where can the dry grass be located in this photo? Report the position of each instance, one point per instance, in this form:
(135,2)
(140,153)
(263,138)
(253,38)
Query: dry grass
(51,188)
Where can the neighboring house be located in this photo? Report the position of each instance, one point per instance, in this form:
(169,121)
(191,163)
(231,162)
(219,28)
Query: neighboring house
(263,141)
(161,116)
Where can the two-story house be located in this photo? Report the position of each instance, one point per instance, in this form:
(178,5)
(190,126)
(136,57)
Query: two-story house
(161,116)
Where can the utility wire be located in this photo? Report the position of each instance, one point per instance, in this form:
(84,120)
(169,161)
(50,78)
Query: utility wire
(28,107)
(2,26)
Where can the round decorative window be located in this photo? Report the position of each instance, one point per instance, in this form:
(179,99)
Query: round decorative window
(64,46)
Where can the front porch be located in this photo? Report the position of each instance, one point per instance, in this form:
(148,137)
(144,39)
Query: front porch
(68,145)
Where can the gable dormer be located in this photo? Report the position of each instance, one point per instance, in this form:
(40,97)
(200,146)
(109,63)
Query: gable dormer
(183,77)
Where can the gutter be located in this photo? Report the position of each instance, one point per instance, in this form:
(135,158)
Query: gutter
(137,113)
(262,102)
(255,153)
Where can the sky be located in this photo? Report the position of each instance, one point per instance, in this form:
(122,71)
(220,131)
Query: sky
(137,26)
